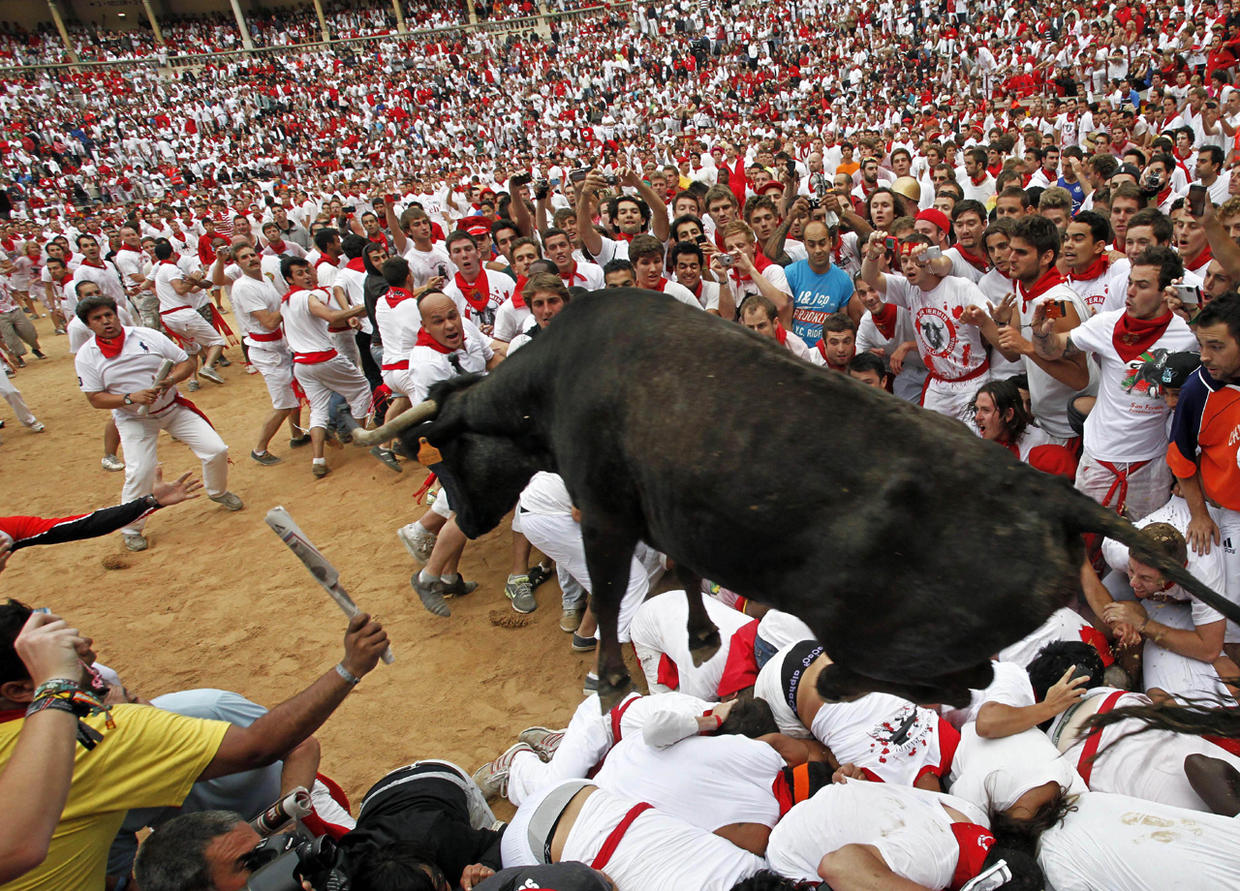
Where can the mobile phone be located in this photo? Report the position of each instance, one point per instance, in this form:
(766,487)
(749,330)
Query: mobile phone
(578,175)
(1056,309)
(522,179)
(725,260)
(1197,200)
(701,239)
(933,252)
(791,167)
(891,243)
(442,270)
(1190,295)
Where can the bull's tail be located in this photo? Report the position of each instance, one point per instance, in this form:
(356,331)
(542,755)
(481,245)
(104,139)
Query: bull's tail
(1087,515)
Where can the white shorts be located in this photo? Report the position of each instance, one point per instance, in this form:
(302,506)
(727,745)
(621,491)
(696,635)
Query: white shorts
(395,381)
(337,375)
(952,398)
(276,367)
(194,331)
(1148,489)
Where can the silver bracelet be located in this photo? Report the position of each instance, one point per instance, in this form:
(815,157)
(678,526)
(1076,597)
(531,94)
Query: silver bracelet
(347,676)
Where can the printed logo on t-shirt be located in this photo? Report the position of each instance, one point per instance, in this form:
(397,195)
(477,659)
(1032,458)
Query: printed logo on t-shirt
(1144,374)
(937,330)
(906,733)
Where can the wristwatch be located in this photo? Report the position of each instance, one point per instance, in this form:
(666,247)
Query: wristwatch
(128,401)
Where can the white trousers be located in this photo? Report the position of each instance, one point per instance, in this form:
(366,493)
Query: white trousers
(14,398)
(1228,522)
(1148,487)
(586,740)
(346,345)
(195,331)
(276,367)
(952,398)
(140,437)
(337,375)
(559,537)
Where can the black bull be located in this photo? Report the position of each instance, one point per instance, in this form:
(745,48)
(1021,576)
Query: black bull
(913,549)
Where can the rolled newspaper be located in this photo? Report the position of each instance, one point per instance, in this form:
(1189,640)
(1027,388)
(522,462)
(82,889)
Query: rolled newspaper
(165,369)
(324,573)
(293,806)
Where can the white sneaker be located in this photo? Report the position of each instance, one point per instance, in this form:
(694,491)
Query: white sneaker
(209,372)
(417,541)
(111,462)
(37,427)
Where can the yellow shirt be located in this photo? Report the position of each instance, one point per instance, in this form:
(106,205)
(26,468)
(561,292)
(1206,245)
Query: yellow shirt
(149,759)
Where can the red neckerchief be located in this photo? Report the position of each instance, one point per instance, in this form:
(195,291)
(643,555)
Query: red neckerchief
(981,179)
(1094,271)
(167,262)
(125,247)
(622,236)
(111,348)
(978,263)
(396,295)
(759,263)
(357,264)
(974,842)
(1132,337)
(1200,260)
(97,264)
(518,300)
(885,320)
(1049,279)
(290,293)
(277,248)
(1163,196)
(571,277)
(478,293)
(425,339)
(324,260)
(662,285)
(781,334)
(697,292)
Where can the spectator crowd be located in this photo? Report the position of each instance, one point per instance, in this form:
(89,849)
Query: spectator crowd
(1026,219)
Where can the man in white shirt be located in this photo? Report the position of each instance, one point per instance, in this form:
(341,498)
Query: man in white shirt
(117,369)
(173,288)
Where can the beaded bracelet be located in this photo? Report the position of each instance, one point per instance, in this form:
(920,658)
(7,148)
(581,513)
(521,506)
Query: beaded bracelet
(55,685)
(80,704)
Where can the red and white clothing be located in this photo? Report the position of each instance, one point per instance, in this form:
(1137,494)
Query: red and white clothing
(1126,431)
(399,320)
(1048,397)
(655,852)
(1148,764)
(480,300)
(583,275)
(1117,286)
(431,362)
(966,264)
(993,773)
(512,317)
(680,292)
(350,281)
(792,342)
(1043,452)
(1092,285)
(79,334)
(1127,841)
(707,781)
(953,353)
(129,366)
(910,828)
(104,274)
(268,351)
(890,738)
(892,327)
(662,646)
(425,265)
(135,265)
(743,285)
(1064,624)
(317,367)
(177,311)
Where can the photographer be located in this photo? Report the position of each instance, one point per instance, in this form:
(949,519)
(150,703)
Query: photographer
(150,758)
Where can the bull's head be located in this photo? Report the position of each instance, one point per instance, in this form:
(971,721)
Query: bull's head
(482,473)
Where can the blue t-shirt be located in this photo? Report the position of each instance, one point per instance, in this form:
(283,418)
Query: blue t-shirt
(1076,190)
(814,297)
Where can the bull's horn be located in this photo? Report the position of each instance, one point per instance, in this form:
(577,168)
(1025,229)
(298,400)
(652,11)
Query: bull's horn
(406,419)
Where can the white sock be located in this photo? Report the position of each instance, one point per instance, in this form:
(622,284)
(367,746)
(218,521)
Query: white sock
(450,578)
(320,460)
(426,577)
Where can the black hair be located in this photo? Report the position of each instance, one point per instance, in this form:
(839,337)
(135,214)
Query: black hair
(750,717)
(13,615)
(619,266)
(685,247)
(1039,232)
(766,881)
(1099,226)
(1023,834)
(867,361)
(1006,395)
(1055,659)
(352,245)
(163,249)
(89,304)
(288,264)
(687,218)
(324,237)
(1026,873)
(1170,266)
(1224,308)
(395,271)
(399,866)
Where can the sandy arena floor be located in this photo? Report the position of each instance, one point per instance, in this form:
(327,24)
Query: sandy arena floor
(219,601)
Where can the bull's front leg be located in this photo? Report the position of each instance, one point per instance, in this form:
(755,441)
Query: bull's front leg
(703,635)
(609,555)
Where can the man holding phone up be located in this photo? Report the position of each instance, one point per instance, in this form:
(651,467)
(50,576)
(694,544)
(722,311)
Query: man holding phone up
(1122,466)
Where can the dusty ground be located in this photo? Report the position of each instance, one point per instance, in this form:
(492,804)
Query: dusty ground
(219,601)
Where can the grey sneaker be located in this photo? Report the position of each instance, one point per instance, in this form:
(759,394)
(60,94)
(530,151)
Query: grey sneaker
(135,541)
(229,500)
(492,777)
(518,590)
(223,361)
(298,441)
(193,386)
(320,470)
(431,594)
(37,427)
(266,458)
(417,541)
(387,457)
(543,740)
(583,644)
(209,372)
(459,588)
(570,619)
(590,685)
(111,462)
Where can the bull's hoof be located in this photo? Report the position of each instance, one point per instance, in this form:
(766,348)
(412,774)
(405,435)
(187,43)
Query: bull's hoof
(704,646)
(612,688)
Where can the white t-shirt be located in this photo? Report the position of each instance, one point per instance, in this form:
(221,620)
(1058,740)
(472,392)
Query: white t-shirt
(584,275)
(165,274)
(304,332)
(250,294)
(353,283)
(1063,624)
(659,626)
(994,773)
(950,349)
(510,319)
(398,327)
(1129,420)
(428,366)
(499,293)
(545,494)
(424,265)
(1114,841)
(143,351)
(1010,686)
(707,781)
(908,826)
(743,287)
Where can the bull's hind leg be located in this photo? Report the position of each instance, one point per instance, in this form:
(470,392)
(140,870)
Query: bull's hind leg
(703,635)
(609,555)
